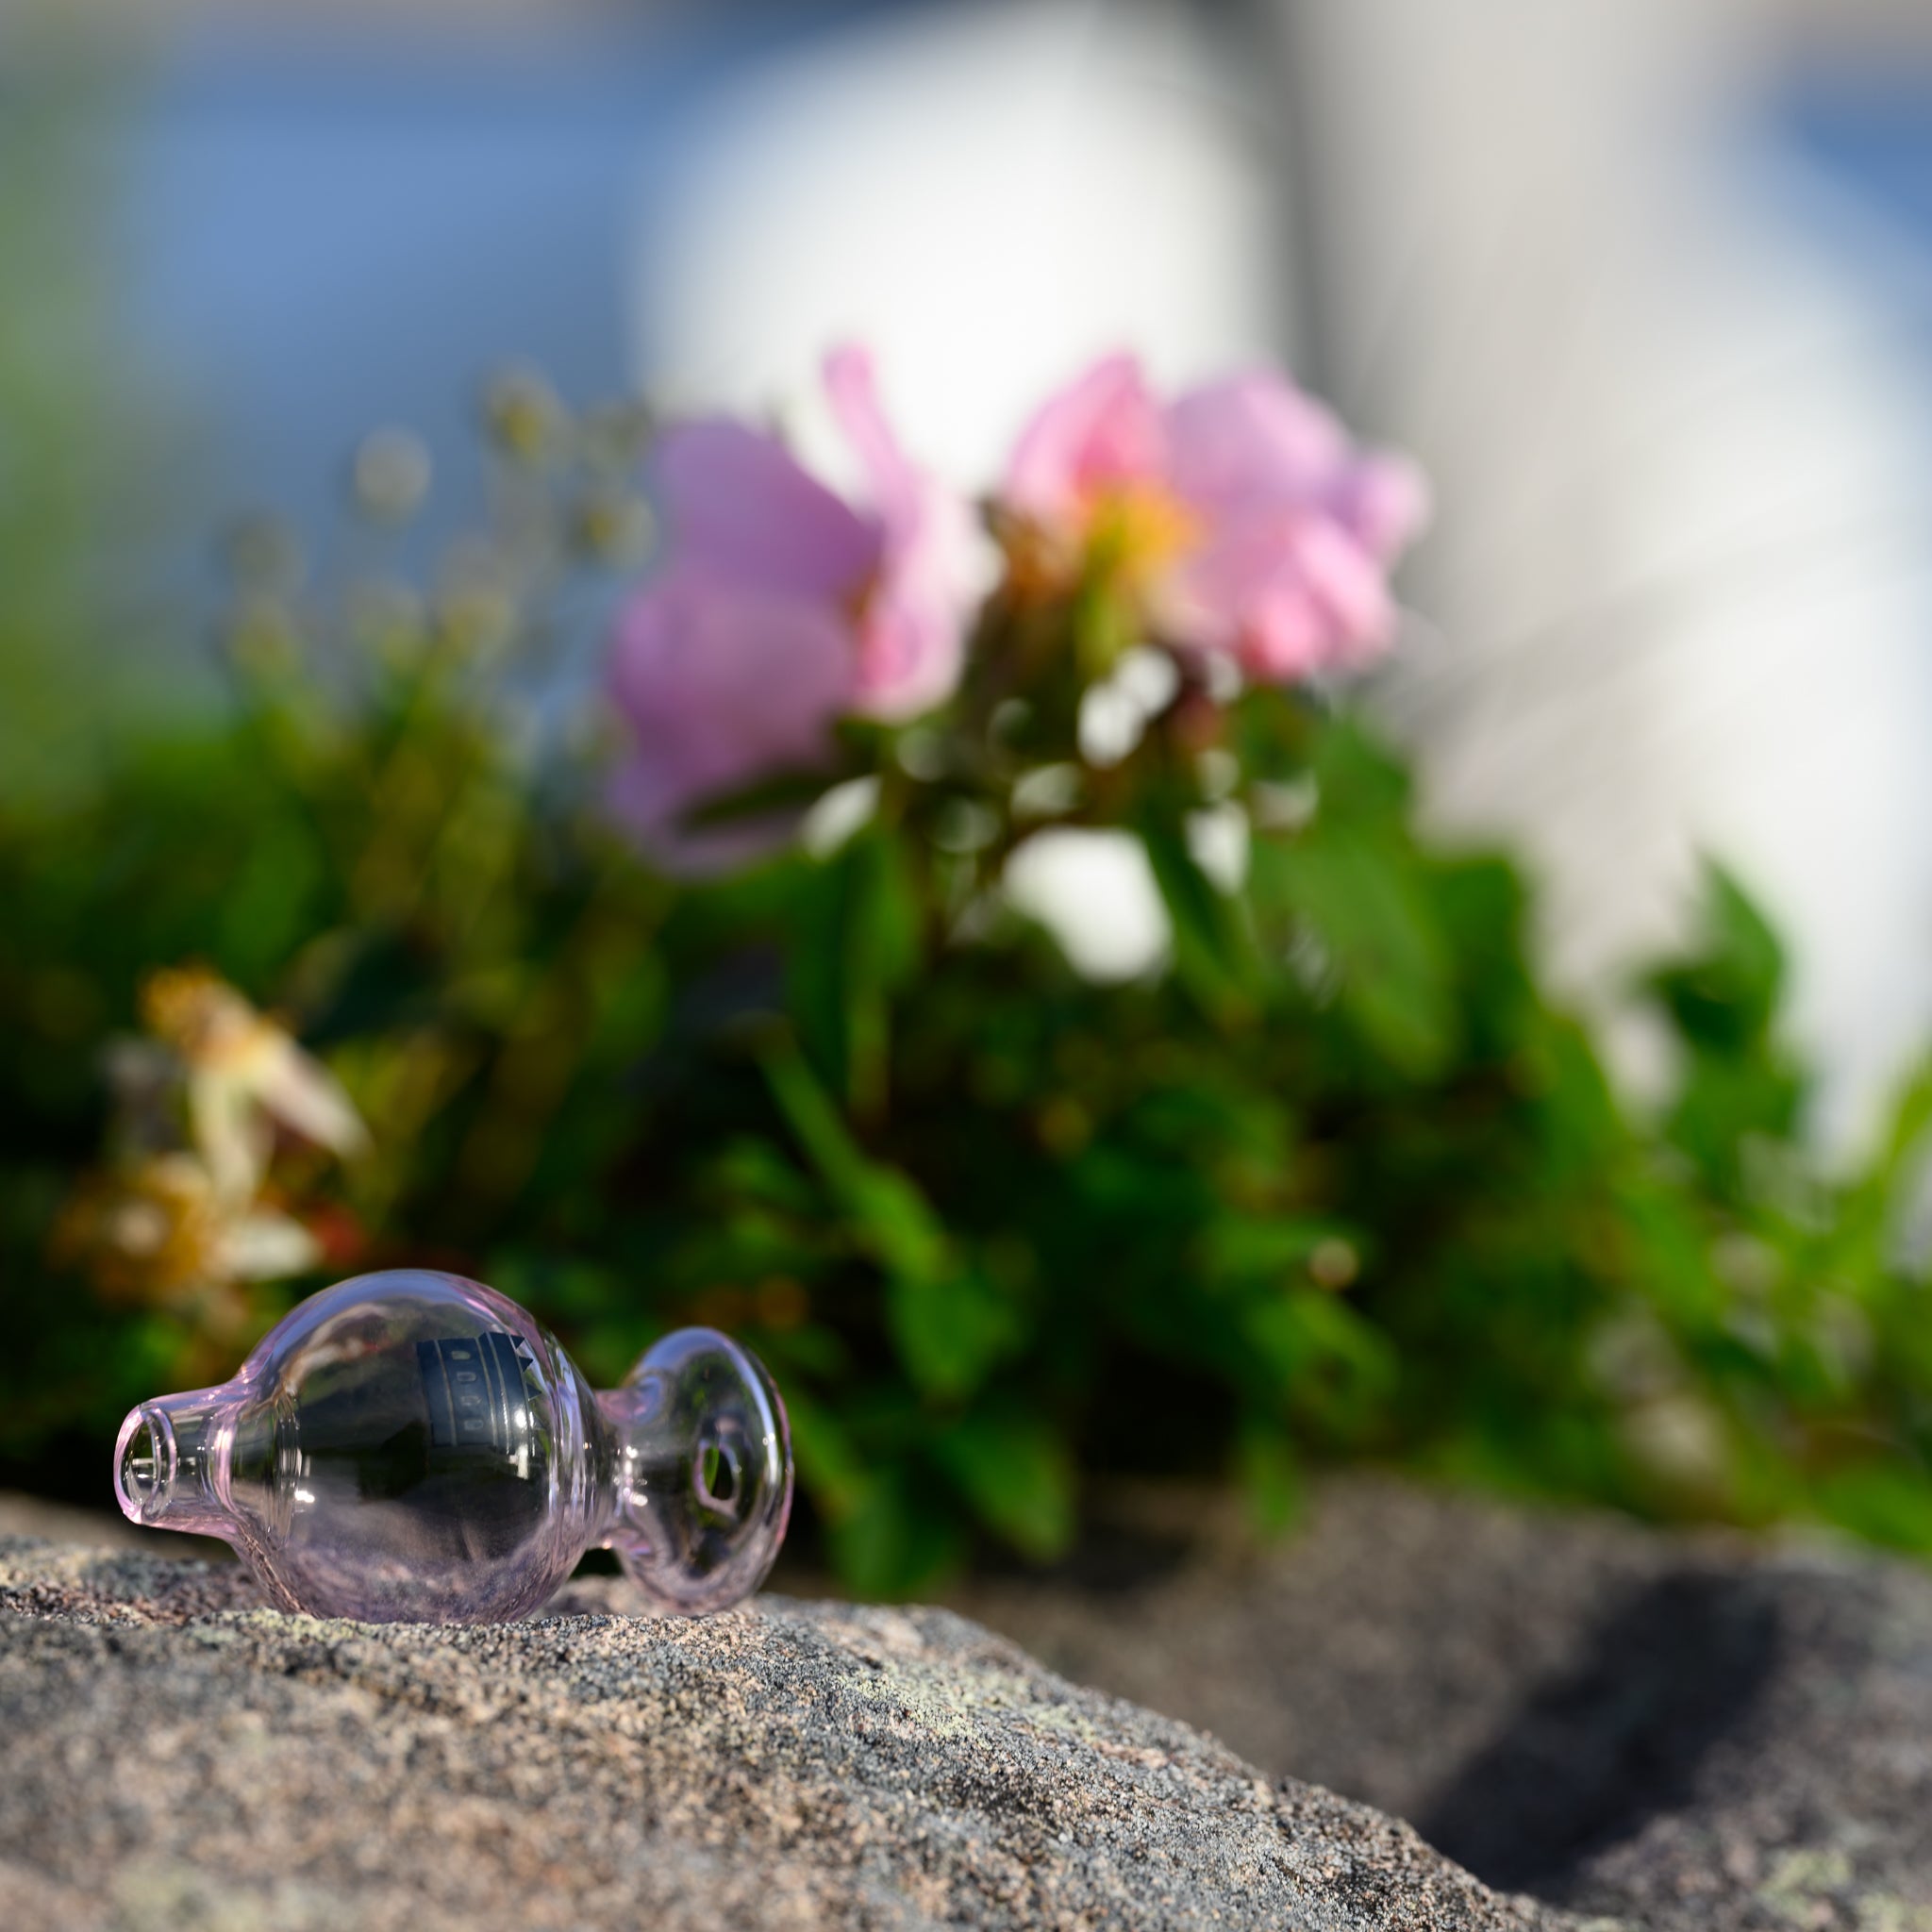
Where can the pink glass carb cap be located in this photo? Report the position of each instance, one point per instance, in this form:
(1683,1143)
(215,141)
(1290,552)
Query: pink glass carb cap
(414,1447)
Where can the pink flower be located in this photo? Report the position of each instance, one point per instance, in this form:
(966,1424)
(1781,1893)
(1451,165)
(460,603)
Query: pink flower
(779,609)
(1240,516)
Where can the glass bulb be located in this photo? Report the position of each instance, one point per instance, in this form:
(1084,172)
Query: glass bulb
(412,1446)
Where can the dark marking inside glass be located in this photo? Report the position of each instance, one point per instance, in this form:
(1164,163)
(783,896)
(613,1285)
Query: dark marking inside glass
(474,1388)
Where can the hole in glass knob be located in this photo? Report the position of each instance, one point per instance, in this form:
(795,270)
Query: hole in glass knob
(145,1468)
(137,1465)
(717,1477)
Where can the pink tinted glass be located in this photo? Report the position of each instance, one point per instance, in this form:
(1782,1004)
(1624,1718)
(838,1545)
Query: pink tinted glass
(412,1446)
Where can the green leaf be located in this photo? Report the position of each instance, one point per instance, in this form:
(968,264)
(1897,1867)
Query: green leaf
(1105,626)
(1883,1504)
(894,1543)
(1725,997)
(881,950)
(1018,1476)
(948,1323)
(1361,781)
(1253,1247)
(1367,906)
(786,793)
(830,1469)
(1866,1242)
(1212,955)
(948,1331)
(857,946)
(1270,1475)
(889,1212)
(1308,1354)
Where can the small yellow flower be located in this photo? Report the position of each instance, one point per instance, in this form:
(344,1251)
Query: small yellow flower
(244,1076)
(180,1218)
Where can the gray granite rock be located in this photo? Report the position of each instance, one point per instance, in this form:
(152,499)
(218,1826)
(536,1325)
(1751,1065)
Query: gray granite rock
(172,1754)
(1692,1733)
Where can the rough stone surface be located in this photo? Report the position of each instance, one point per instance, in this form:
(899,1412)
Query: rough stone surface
(1684,1732)
(175,1755)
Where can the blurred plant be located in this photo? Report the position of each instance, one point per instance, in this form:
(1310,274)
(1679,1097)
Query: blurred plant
(1333,1178)
(74,435)
(187,1212)
(239,1075)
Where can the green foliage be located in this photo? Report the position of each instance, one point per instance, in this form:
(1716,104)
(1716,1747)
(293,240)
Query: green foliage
(1342,1183)
(70,436)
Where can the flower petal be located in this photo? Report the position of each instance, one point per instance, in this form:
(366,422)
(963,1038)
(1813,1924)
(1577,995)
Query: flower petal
(1257,439)
(1348,585)
(913,637)
(230,1131)
(894,481)
(912,632)
(1288,594)
(1384,501)
(1250,441)
(306,1098)
(1284,637)
(738,506)
(721,686)
(1104,428)
(262,1246)
(1209,599)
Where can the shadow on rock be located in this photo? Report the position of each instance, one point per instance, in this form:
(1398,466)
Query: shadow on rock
(1599,1751)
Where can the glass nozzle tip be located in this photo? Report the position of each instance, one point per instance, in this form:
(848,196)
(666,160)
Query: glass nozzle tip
(145,1462)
